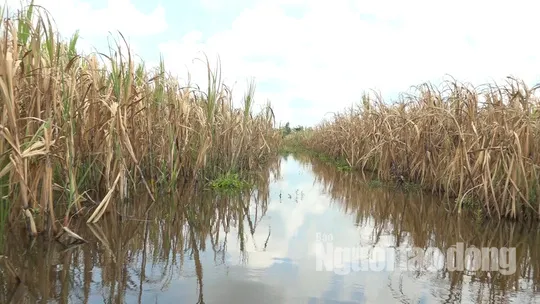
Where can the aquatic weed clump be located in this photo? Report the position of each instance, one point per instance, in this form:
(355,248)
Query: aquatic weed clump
(229,182)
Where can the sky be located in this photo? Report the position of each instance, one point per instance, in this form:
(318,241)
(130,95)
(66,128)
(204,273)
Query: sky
(314,58)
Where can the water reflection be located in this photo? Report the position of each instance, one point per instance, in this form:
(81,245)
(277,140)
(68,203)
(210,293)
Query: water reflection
(198,247)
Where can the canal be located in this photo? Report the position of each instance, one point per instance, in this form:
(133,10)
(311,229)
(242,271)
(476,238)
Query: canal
(308,233)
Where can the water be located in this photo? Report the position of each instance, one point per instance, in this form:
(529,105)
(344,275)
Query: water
(195,247)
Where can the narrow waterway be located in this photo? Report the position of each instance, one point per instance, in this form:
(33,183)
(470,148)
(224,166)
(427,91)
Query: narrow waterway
(278,244)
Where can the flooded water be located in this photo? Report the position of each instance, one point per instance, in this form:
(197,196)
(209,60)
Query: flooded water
(275,245)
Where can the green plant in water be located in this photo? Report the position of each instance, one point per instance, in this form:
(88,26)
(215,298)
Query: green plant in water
(345,168)
(229,181)
(473,204)
(479,215)
(375,183)
(408,186)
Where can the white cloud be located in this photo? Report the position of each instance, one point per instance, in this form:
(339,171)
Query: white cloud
(326,54)
(337,50)
(213,4)
(95,24)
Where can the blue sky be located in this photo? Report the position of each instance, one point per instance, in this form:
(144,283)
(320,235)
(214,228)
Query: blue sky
(310,58)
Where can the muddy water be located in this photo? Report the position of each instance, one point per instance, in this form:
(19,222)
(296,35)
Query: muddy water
(264,247)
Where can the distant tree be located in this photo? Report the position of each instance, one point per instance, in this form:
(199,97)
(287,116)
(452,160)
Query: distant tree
(298,129)
(287,129)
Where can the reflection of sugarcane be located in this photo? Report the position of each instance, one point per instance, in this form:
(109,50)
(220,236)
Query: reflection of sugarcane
(428,224)
(142,275)
(267,238)
(197,259)
(179,224)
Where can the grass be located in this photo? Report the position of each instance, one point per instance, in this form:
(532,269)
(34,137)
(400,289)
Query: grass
(80,130)
(468,143)
(229,182)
